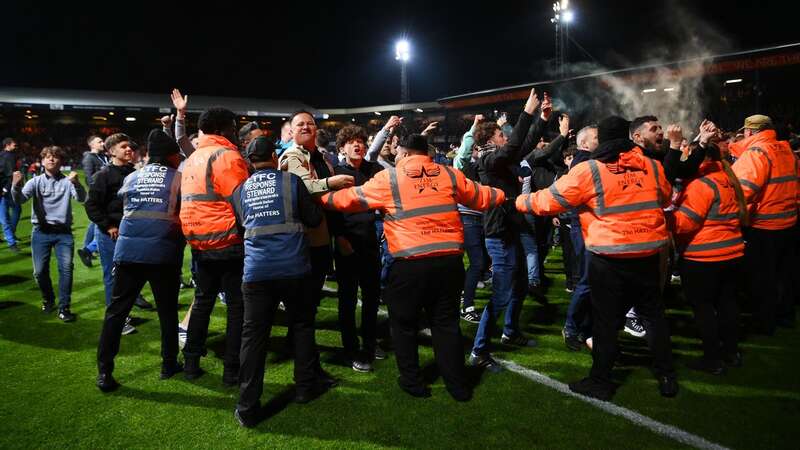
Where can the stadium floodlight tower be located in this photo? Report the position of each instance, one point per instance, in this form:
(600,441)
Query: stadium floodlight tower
(402,53)
(561,19)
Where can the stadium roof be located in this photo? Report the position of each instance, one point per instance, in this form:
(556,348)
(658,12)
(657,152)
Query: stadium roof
(82,99)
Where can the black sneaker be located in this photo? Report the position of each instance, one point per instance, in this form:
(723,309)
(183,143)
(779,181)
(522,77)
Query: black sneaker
(85,257)
(65,315)
(668,386)
(380,354)
(192,369)
(470,315)
(48,307)
(142,303)
(168,370)
(634,327)
(128,328)
(361,366)
(572,341)
(106,382)
(594,389)
(485,361)
(242,421)
(519,340)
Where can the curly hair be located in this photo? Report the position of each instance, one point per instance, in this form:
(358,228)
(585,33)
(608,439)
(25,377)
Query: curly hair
(350,133)
(53,150)
(484,131)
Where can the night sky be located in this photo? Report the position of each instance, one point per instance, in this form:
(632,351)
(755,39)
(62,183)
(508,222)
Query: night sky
(341,54)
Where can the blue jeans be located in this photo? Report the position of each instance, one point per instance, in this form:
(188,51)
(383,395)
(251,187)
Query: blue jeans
(531,257)
(9,217)
(105,246)
(473,244)
(509,288)
(90,238)
(579,318)
(42,245)
(386,257)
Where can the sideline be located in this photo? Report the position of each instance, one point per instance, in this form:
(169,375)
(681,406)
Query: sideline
(655,426)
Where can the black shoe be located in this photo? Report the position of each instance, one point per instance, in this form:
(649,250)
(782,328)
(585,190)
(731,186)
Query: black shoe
(470,315)
(668,386)
(142,303)
(634,327)
(168,370)
(107,383)
(65,315)
(230,377)
(380,354)
(244,423)
(14,249)
(191,369)
(47,307)
(460,394)
(703,365)
(306,395)
(572,341)
(325,379)
(362,366)
(734,360)
(85,257)
(485,361)
(594,389)
(519,340)
(415,391)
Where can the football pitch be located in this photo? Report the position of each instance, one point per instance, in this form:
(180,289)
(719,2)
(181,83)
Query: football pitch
(48,398)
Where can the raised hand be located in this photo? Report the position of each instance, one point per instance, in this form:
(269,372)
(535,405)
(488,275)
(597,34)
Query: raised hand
(73,177)
(392,123)
(179,102)
(16,178)
(532,103)
(478,119)
(563,125)
(675,135)
(167,121)
(431,127)
(547,107)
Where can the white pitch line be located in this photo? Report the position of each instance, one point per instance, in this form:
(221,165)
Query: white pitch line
(655,426)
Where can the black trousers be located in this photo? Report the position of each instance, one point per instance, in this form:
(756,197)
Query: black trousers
(571,270)
(214,276)
(711,289)
(769,260)
(260,303)
(129,279)
(430,286)
(543,231)
(617,284)
(362,268)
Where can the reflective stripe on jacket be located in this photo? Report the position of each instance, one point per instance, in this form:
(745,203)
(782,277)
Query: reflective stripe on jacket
(275,245)
(150,230)
(210,175)
(619,203)
(419,199)
(767,171)
(707,219)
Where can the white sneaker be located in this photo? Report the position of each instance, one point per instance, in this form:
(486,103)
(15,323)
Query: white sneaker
(181,336)
(128,328)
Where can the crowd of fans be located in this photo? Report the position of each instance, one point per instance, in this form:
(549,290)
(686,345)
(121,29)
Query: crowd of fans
(634,206)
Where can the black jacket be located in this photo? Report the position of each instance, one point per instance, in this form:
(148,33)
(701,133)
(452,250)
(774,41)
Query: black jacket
(674,168)
(103,206)
(499,169)
(8,164)
(546,163)
(92,163)
(356,227)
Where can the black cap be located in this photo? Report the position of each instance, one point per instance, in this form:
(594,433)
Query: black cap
(416,142)
(259,149)
(613,127)
(245,130)
(160,145)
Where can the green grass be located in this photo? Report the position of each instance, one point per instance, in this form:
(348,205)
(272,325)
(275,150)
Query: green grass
(48,398)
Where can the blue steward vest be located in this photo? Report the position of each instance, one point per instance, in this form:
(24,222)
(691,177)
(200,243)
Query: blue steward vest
(150,230)
(275,245)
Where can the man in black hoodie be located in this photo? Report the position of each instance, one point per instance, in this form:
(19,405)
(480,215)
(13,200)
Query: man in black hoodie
(498,167)
(104,208)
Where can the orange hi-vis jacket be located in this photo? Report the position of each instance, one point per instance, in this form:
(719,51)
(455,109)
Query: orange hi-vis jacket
(619,204)
(768,173)
(707,219)
(419,199)
(209,178)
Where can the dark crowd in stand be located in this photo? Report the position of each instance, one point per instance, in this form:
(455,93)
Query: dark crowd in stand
(636,205)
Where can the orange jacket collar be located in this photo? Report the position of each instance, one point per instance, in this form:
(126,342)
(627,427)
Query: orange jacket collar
(208,140)
(421,159)
(708,167)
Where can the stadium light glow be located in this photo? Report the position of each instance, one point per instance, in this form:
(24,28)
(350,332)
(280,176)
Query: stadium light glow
(402,50)
(647,91)
(735,80)
(130,119)
(568,16)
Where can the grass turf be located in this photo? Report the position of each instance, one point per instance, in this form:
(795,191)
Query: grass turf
(48,397)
